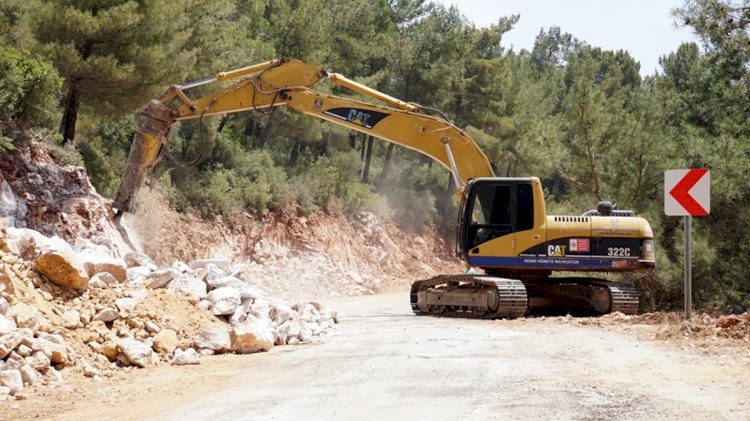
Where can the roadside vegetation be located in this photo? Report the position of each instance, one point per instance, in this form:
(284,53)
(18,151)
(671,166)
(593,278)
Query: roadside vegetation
(581,118)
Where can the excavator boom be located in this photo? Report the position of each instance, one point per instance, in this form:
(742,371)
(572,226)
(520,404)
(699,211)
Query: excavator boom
(287,83)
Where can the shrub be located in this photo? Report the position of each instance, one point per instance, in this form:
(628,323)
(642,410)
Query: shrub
(28,88)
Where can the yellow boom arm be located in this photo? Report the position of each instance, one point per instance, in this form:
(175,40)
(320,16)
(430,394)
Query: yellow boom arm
(288,82)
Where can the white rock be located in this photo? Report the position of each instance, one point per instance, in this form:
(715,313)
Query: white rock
(305,334)
(12,379)
(160,278)
(71,318)
(90,371)
(39,361)
(29,244)
(29,375)
(293,330)
(213,273)
(126,305)
(152,327)
(280,313)
(252,335)
(24,350)
(4,393)
(281,333)
(25,315)
(137,275)
(242,288)
(7,325)
(214,337)
(189,286)
(224,300)
(55,376)
(241,313)
(4,306)
(107,315)
(52,337)
(97,284)
(137,352)
(134,259)
(189,356)
(180,267)
(201,263)
(260,309)
(13,362)
(96,262)
(50,346)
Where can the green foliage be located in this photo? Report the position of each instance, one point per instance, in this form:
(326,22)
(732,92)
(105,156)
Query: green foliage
(28,88)
(105,152)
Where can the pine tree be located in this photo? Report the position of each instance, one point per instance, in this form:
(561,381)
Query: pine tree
(113,54)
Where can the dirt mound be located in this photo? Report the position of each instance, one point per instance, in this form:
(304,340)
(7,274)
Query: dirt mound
(708,332)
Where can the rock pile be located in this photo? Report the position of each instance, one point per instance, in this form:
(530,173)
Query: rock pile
(84,308)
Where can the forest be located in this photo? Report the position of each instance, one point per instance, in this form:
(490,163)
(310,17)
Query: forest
(581,118)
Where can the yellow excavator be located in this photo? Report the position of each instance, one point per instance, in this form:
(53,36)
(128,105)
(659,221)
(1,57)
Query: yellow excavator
(503,228)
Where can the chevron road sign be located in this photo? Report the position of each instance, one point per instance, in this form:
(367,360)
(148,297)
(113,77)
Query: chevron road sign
(687,192)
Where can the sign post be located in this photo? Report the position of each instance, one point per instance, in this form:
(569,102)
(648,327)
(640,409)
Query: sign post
(688,269)
(687,193)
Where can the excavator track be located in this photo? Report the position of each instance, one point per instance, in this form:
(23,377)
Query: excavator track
(582,295)
(469,296)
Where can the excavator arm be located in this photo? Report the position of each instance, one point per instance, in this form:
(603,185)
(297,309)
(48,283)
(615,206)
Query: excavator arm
(288,82)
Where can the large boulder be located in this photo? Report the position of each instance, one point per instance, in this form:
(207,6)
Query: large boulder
(160,278)
(29,244)
(12,379)
(224,300)
(245,291)
(135,351)
(62,268)
(98,263)
(189,286)
(214,337)
(252,335)
(137,275)
(134,259)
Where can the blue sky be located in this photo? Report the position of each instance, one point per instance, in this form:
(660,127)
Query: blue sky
(645,28)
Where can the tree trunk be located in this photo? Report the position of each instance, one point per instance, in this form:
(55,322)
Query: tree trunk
(368,158)
(73,101)
(386,166)
(295,153)
(265,133)
(222,123)
(70,115)
(364,144)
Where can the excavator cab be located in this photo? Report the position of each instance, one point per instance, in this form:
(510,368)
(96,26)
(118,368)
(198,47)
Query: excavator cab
(492,208)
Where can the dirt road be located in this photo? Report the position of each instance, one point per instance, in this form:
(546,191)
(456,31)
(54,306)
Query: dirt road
(389,364)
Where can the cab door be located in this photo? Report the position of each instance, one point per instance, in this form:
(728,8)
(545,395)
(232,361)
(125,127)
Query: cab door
(490,219)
